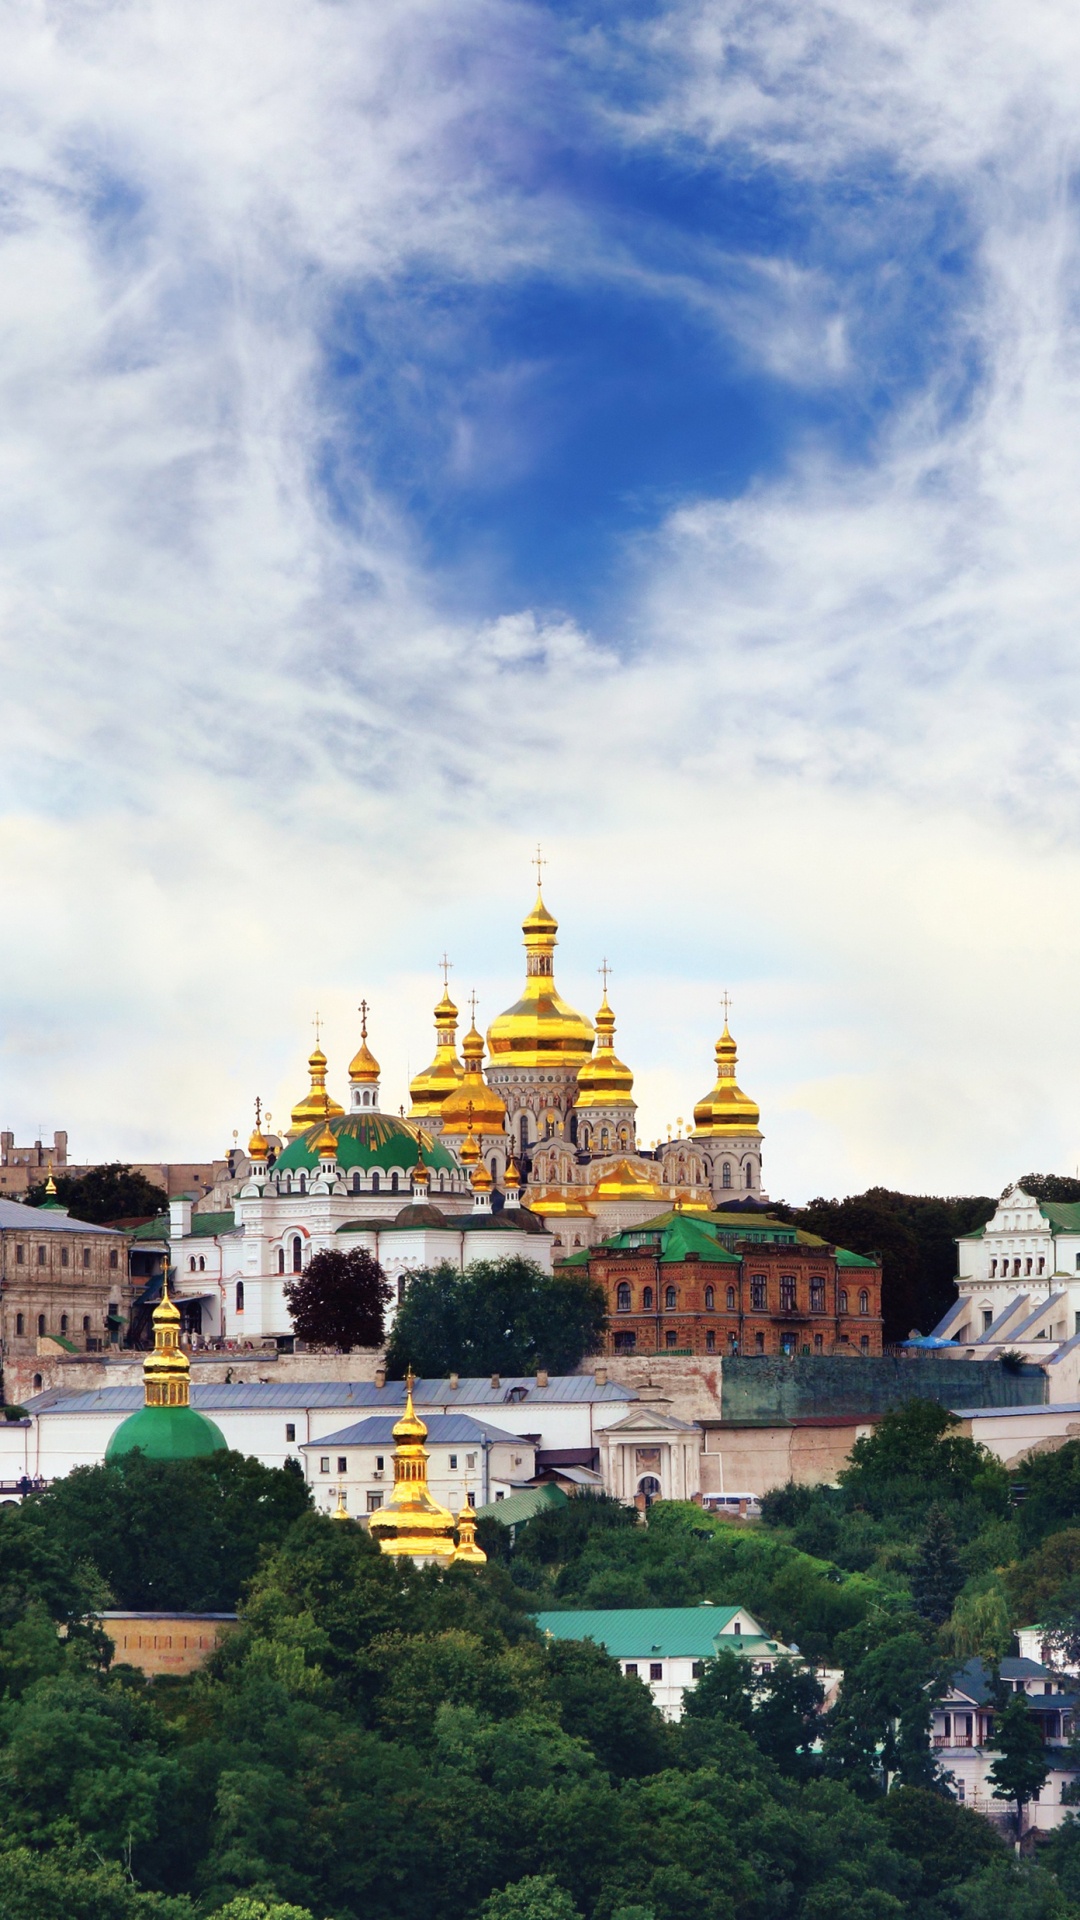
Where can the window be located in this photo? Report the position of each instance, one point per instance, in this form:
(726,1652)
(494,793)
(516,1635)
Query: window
(671,1298)
(342,1464)
(759,1293)
(749,1173)
(736,1627)
(297,1253)
(202,1263)
(993,1269)
(356,1183)
(20,1254)
(374,1502)
(630,1667)
(453,1463)
(86,1256)
(37,1383)
(988,1318)
(864,1342)
(86,1323)
(18,1324)
(41,1324)
(239,1296)
(625,1342)
(114,1257)
(670,1337)
(647,1299)
(281,1259)
(63,1256)
(324,1463)
(731,1299)
(622,1297)
(380,1461)
(1042,1263)
(960,1789)
(374,1183)
(63,1323)
(841,1300)
(787,1293)
(290,1430)
(41,1256)
(393,1183)
(864,1302)
(1027,1265)
(1016,1269)
(710,1299)
(817,1296)
(191,1264)
(697,1669)
(656,1669)
(710,1341)
(725,1177)
(759,1343)
(819,1343)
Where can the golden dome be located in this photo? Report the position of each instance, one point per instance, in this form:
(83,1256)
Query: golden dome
(482,1181)
(363,1067)
(540,1029)
(412,1523)
(604,1081)
(626,1182)
(326,1144)
(467,1550)
(436,1083)
(472,1102)
(317,1104)
(166,1370)
(469,1151)
(512,1176)
(726,1110)
(258,1145)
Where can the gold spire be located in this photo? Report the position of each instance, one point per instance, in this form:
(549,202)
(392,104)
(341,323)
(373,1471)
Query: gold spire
(341,1511)
(473,1102)
(167,1370)
(258,1145)
(540,1030)
(421,1173)
(431,1088)
(50,1184)
(363,1067)
(412,1523)
(468,1552)
(317,1104)
(469,1151)
(604,1081)
(326,1144)
(512,1176)
(726,1110)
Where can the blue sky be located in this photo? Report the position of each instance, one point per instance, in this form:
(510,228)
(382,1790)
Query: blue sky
(648,429)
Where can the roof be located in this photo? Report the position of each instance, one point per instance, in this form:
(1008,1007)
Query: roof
(13,1215)
(157,1229)
(973,1680)
(518,1507)
(203,1225)
(256,1396)
(1063,1215)
(1013,1413)
(167,1433)
(664,1632)
(368,1140)
(443,1429)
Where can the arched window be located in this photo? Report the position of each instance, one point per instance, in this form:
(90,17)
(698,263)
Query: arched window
(374,1183)
(356,1183)
(303,1183)
(671,1298)
(281,1259)
(622,1297)
(19,1324)
(725,1178)
(37,1383)
(749,1173)
(817,1296)
(864,1302)
(202,1263)
(524,1129)
(605,1139)
(239,1296)
(86,1323)
(624,1136)
(393,1183)
(63,1322)
(41,1325)
(731,1299)
(191,1263)
(710,1299)
(297,1253)
(646,1299)
(993,1266)
(586,1139)
(841,1300)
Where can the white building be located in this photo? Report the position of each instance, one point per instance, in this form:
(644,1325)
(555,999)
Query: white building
(667,1647)
(468,1460)
(963,1730)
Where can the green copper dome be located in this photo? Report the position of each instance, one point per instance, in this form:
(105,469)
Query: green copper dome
(368,1141)
(167,1433)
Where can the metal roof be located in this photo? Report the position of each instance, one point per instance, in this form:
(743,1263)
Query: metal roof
(518,1507)
(638,1633)
(44,1219)
(258,1396)
(443,1429)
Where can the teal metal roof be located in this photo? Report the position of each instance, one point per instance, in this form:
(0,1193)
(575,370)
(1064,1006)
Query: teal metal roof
(1063,1215)
(640,1633)
(522,1506)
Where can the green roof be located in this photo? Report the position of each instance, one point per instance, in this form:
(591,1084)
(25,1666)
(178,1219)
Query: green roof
(369,1140)
(630,1633)
(152,1229)
(846,1259)
(203,1224)
(1063,1215)
(522,1506)
(167,1433)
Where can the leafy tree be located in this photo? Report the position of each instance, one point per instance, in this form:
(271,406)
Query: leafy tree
(1022,1768)
(612,1710)
(70,1881)
(1047,1580)
(980,1626)
(249,1907)
(787,1721)
(914,1459)
(937,1576)
(499,1316)
(946,1841)
(185,1535)
(725,1691)
(880,1725)
(339,1300)
(104,1194)
(537,1897)
(1052,1493)
(1051,1186)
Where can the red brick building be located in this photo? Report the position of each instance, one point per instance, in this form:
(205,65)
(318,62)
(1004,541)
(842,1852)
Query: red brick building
(673,1285)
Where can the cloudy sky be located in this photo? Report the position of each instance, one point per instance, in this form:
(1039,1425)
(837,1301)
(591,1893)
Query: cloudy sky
(652,429)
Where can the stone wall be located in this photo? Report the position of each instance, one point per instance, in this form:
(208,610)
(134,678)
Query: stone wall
(767,1389)
(165,1642)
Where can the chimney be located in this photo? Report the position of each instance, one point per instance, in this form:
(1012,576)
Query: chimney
(454,1383)
(541,1377)
(180,1217)
(600,1376)
(495,1381)
(380,1376)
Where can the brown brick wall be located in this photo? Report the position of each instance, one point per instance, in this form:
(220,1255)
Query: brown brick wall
(70,1290)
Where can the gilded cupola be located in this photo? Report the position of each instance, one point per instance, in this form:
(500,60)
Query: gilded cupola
(473,1103)
(540,1029)
(604,1081)
(412,1523)
(316,1104)
(364,1071)
(433,1087)
(726,1110)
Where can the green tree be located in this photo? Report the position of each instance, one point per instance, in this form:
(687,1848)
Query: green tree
(980,1626)
(915,1235)
(499,1316)
(1051,1502)
(70,1881)
(880,1725)
(105,1194)
(787,1719)
(1046,1580)
(937,1576)
(612,1710)
(537,1897)
(248,1906)
(339,1300)
(916,1458)
(1022,1768)
(946,1842)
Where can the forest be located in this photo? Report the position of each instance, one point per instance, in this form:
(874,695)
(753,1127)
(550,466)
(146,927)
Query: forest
(380,1742)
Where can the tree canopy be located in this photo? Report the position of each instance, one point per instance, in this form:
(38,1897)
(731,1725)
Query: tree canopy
(499,1316)
(104,1194)
(339,1300)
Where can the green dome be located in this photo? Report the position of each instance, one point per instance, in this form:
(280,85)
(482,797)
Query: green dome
(167,1433)
(369,1140)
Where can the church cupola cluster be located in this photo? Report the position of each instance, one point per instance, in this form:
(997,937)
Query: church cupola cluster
(473,1106)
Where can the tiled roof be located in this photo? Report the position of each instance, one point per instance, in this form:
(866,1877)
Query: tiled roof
(630,1633)
(443,1429)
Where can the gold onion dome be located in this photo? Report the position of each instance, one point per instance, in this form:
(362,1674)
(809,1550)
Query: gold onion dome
(316,1104)
(412,1523)
(258,1145)
(726,1109)
(540,1029)
(364,1069)
(624,1181)
(481,1180)
(473,1103)
(431,1088)
(326,1144)
(604,1081)
(469,1150)
(467,1549)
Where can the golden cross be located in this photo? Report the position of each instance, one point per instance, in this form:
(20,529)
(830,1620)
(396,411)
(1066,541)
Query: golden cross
(604,969)
(540,863)
(725,1002)
(447,968)
(363,1012)
(258,1113)
(472,1005)
(317,1024)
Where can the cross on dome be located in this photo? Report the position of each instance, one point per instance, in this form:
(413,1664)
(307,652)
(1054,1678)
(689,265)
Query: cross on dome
(539,863)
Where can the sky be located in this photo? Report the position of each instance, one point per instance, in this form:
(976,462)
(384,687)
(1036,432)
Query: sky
(649,430)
